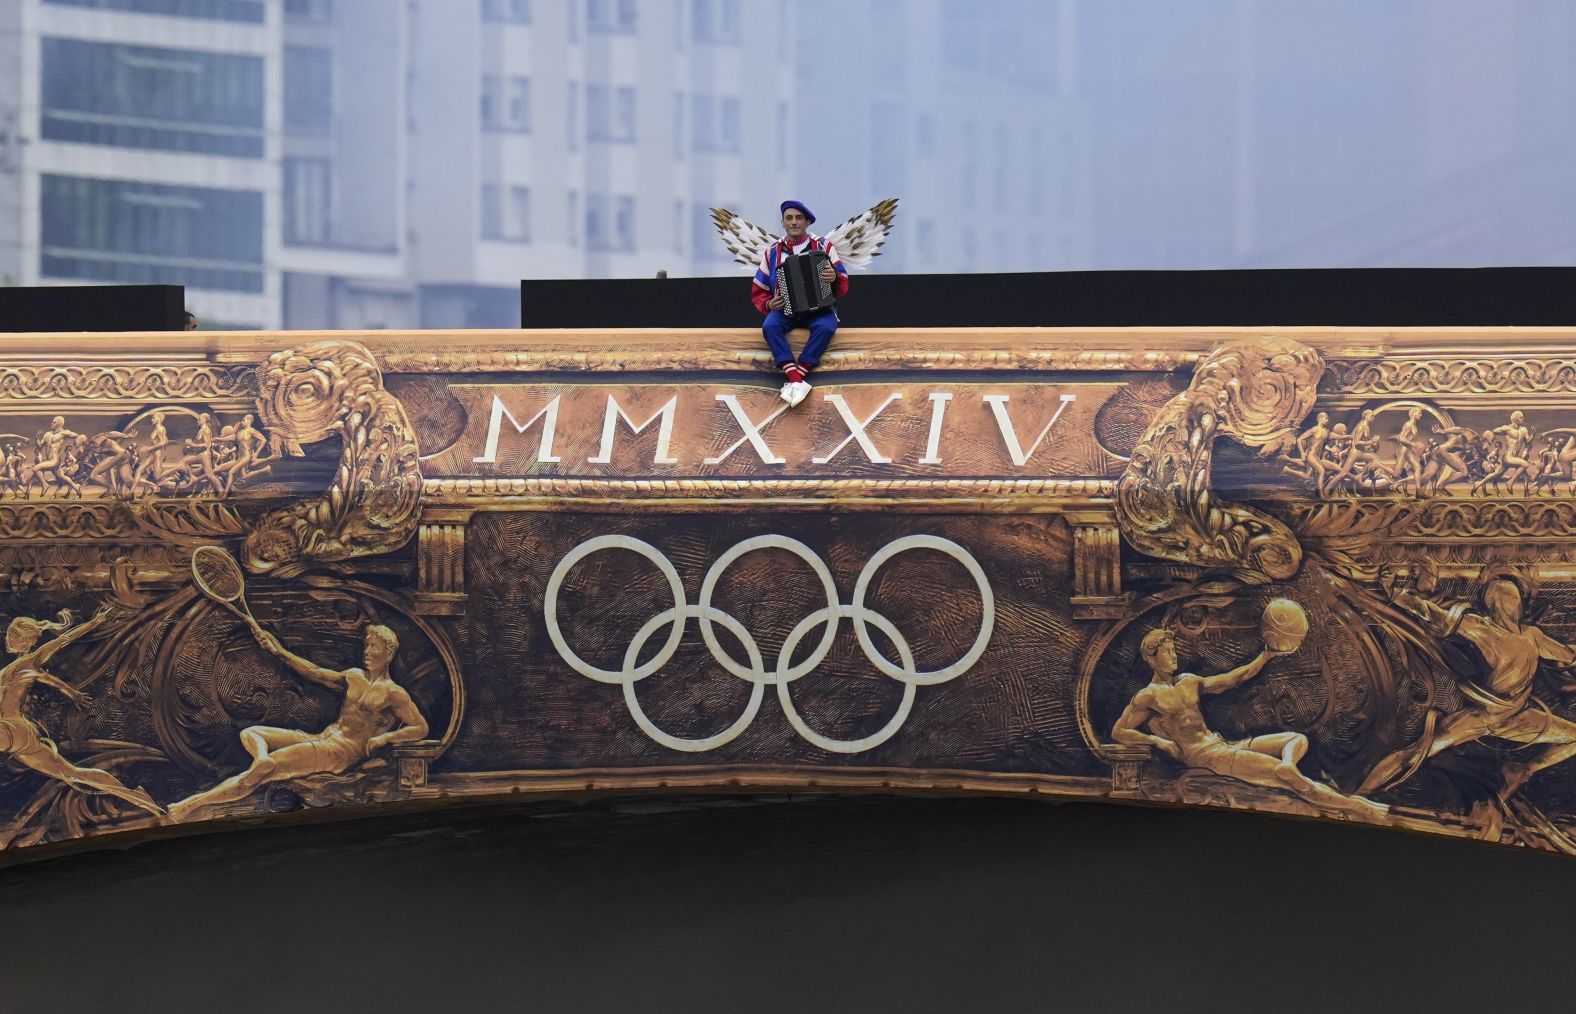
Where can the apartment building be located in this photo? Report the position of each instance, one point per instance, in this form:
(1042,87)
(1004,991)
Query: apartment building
(401,163)
(588,139)
(138,143)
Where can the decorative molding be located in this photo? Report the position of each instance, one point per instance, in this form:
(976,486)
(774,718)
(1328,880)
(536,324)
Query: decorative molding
(488,492)
(131,382)
(307,394)
(1417,377)
(1254,393)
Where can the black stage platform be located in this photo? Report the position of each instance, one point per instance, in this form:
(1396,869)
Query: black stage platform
(1357,297)
(92,308)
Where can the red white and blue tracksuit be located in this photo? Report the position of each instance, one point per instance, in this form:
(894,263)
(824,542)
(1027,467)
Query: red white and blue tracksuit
(822,324)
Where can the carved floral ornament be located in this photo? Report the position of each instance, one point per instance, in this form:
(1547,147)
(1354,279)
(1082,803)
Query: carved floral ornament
(1251,577)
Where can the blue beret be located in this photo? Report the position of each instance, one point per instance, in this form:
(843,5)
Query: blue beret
(796,204)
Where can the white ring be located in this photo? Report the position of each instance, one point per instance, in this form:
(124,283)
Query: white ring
(857,609)
(755,672)
(803,552)
(757,687)
(550,608)
(875,739)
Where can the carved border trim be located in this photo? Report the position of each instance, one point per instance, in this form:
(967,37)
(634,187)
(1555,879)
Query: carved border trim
(134,382)
(1417,377)
(468,491)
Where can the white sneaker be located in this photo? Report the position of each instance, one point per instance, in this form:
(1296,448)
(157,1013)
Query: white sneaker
(787,393)
(796,393)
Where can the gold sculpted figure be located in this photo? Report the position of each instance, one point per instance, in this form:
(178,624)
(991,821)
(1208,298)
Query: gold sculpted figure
(376,712)
(1503,706)
(1514,451)
(1170,709)
(21,740)
(52,458)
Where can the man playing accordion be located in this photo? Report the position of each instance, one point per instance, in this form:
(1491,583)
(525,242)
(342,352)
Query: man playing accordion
(821,323)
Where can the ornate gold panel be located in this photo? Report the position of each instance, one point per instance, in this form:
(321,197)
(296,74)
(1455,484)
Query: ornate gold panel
(1319,572)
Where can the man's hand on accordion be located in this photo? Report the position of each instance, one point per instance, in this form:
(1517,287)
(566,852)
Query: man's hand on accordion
(775,303)
(828,273)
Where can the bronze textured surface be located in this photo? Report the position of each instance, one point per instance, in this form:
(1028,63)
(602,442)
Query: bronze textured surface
(1318,572)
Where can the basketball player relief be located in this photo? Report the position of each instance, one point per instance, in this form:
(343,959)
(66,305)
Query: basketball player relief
(800,277)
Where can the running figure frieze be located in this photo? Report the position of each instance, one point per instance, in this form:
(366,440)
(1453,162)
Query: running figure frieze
(165,451)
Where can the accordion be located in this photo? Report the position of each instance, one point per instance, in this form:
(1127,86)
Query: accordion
(799,283)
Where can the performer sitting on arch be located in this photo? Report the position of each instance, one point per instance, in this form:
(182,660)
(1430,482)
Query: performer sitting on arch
(797,239)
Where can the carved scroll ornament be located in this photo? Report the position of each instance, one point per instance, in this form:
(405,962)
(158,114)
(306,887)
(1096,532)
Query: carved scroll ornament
(307,394)
(1254,393)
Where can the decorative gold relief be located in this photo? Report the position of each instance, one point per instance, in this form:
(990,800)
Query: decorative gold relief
(1253,393)
(1367,563)
(21,382)
(307,394)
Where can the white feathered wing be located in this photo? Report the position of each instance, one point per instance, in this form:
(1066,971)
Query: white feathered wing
(858,240)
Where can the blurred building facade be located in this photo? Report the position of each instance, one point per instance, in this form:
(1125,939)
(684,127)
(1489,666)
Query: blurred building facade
(367,163)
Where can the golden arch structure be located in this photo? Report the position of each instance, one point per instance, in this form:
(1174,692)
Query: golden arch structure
(1322,572)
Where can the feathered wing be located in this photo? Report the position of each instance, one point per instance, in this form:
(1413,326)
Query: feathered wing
(859,240)
(744,239)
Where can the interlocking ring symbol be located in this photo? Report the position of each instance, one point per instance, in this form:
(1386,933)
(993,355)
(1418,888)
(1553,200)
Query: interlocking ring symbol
(753,670)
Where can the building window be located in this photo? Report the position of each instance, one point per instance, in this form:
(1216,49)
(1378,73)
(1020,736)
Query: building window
(572,118)
(143,97)
(519,103)
(596,222)
(574,21)
(492,212)
(607,121)
(308,200)
(317,11)
(596,112)
(489,101)
(309,90)
(503,112)
(574,218)
(623,114)
(147,233)
(506,213)
(624,224)
(252,11)
(520,214)
(731,126)
(610,16)
(510,11)
(719,22)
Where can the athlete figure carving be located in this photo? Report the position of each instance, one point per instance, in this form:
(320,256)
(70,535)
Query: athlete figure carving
(1170,708)
(376,712)
(21,740)
(1502,706)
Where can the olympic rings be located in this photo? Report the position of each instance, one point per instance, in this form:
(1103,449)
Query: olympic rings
(753,670)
